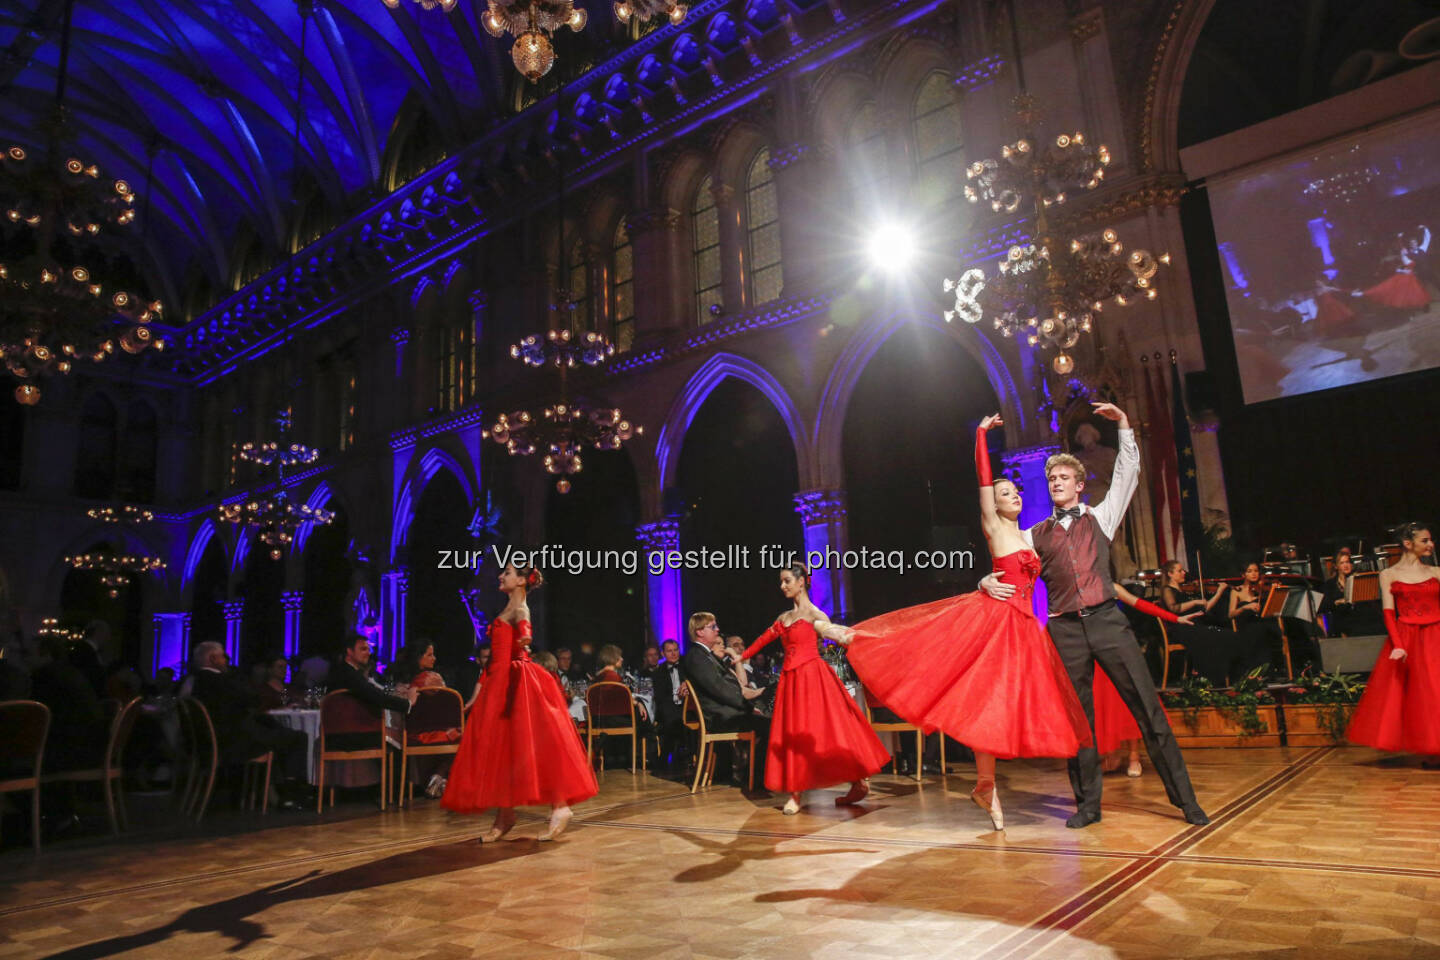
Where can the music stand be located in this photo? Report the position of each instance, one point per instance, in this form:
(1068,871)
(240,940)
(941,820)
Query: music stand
(1274,606)
(1364,588)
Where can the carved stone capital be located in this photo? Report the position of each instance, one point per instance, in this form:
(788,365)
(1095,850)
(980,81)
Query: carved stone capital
(660,535)
(821,506)
(655,218)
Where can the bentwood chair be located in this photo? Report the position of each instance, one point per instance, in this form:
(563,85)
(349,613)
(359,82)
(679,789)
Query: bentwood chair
(341,715)
(438,715)
(202,758)
(26,724)
(111,772)
(610,712)
(1167,647)
(901,726)
(694,719)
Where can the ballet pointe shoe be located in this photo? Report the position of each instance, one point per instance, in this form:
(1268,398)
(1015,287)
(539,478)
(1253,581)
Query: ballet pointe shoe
(792,806)
(502,826)
(987,798)
(559,820)
(1134,768)
(859,790)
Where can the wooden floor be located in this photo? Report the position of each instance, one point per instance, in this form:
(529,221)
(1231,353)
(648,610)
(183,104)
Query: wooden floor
(1312,853)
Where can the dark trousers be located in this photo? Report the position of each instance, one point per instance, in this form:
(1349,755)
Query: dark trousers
(1105,638)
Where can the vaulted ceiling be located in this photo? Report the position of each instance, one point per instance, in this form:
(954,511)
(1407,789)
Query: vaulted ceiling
(195,103)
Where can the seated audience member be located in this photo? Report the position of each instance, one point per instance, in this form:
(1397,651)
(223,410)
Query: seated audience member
(315,670)
(612,706)
(416,666)
(351,674)
(78,731)
(669,696)
(14,673)
(272,691)
(551,665)
(650,662)
(242,730)
(570,671)
(728,706)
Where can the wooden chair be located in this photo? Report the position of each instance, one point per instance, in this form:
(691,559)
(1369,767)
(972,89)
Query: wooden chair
(1274,606)
(251,781)
(900,726)
(26,725)
(341,713)
(1167,648)
(606,704)
(438,708)
(111,773)
(704,753)
(202,757)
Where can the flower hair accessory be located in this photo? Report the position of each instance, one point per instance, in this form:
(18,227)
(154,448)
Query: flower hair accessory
(532,578)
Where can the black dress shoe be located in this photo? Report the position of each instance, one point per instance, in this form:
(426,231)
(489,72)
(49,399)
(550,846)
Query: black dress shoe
(1081,819)
(1193,814)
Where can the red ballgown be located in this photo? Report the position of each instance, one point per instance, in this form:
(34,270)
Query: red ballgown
(1402,290)
(1400,709)
(520,747)
(1114,723)
(818,734)
(980,669)
(1331,315)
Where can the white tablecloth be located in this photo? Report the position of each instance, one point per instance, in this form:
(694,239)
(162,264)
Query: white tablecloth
(342,773)
(646,700)
(308,723)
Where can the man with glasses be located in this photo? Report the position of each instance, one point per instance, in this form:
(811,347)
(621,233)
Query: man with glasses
(728,705)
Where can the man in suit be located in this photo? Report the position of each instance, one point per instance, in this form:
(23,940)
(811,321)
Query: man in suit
(350,675)
(728,705)
(242,730)
(1088,628)
(669,679)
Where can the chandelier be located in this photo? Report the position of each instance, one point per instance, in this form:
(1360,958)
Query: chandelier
(563,430)
(1051,290)
(559,348)
(533,22)
(50,627)
(644,10)
(445,5)
(276,517)
(116,569)
(127,513)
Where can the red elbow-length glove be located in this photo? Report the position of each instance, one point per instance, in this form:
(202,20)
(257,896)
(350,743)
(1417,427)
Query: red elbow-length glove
(1392,627)
(1145,606)
(982,459)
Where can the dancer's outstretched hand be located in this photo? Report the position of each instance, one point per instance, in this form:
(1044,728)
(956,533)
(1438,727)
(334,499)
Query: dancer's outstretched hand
(1188,619)
(1398,654)
(991,422)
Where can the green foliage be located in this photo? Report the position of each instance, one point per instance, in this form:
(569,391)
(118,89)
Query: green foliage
(1240,703)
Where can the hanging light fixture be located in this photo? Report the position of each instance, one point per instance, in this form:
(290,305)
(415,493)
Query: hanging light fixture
(54,312)
(533,23)
(126,513)
(646,10)
(445,5)
(1051,290)
(116,569)
(566,427)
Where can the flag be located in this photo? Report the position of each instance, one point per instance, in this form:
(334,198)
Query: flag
(1164,470)
(1186,473)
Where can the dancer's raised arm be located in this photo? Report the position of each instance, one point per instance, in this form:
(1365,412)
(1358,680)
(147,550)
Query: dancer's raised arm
(989,518)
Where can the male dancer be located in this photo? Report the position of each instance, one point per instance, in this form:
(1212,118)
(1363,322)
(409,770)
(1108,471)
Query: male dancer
(1087,627)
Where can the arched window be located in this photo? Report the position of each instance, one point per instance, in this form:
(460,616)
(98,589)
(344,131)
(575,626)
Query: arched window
(95,460)
(939,146)
(705,243)
(622,290)
(869,171)
(456,382)
(762,230)
(137,454)
(578,282)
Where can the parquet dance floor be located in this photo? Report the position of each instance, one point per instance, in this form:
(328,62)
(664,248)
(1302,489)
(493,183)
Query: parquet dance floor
(1325,852)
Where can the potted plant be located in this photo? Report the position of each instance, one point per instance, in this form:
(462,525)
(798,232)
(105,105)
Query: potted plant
(1244,715)
(1318,706)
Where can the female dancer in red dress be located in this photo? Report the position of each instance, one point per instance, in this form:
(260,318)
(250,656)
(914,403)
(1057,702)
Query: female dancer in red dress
(1402,290)
(520,747)
(818,734)
(979,669)
(1400,709)
(1332,315)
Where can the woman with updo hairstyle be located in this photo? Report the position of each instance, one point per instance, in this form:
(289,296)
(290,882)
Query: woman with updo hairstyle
(818,734)
(520,746)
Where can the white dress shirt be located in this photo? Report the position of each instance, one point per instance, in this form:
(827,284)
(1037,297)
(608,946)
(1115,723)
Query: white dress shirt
(1123,482)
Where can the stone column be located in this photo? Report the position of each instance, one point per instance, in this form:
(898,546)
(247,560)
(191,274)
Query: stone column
(1026,467)
(662,285)
(824,517)
(293,603)
(234,615)
(394,586)
(663,600)
(733,254)
(802,174)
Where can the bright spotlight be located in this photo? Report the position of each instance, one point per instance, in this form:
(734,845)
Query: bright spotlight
(891,247)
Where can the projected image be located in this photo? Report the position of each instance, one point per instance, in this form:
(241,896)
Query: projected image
(1329,263)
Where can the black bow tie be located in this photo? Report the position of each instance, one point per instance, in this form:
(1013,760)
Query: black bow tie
(1073,513)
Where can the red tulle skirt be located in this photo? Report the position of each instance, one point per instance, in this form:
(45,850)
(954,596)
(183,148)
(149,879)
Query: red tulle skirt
(979,669)
(1403,291)
(818,734)
(1400,709)
(520,748)
(1114,724)
(1331,316)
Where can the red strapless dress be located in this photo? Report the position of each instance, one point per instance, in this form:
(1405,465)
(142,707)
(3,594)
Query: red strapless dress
(980,669)
(1400,709)
(1402,290)
(520,747)
(818,733)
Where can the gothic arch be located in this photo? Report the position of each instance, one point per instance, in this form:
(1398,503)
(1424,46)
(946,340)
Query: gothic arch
(1175,45)
(850,366)
(195,553)
(423,467)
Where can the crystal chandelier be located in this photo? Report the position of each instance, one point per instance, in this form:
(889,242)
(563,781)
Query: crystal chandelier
(53,311)
(275,516)
(1051,290)
(445,5)
(559,348)
(645,10)
(50,627)
(116,569)
(127,513)
(563,431)
(533,22)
